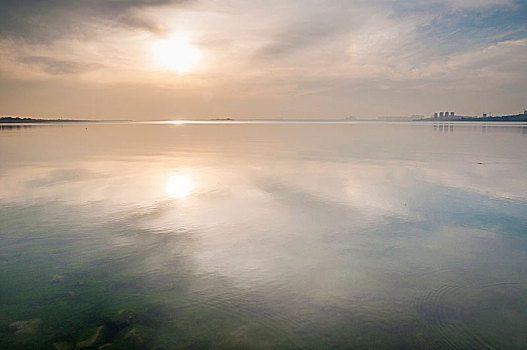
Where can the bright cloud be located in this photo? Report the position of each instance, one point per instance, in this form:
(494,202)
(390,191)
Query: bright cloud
(266,58)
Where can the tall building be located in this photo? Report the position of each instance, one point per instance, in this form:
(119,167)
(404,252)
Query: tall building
(452,115)
(435,114)
(440,114)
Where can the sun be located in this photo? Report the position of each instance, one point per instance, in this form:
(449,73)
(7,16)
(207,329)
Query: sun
(178,186)
(177,54)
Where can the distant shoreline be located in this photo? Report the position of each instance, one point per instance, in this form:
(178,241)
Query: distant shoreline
(18,120)
(513,118)
(505,118)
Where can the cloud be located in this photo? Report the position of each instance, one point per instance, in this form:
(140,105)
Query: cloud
(142,23)
(56,66)
(479,3)
(39,21)
(267,51)
(481,68)
(297,38)
(312,28)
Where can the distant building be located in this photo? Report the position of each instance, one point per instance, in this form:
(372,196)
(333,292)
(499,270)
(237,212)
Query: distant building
(444,115)
(525,112)
(484,115)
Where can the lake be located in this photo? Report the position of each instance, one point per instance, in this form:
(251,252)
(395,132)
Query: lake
(263,235)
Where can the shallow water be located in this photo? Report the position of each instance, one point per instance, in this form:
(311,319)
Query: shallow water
(264,235)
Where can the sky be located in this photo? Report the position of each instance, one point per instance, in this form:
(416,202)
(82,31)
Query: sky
(202,59)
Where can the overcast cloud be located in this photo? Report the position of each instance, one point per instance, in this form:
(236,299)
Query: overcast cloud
(297,59)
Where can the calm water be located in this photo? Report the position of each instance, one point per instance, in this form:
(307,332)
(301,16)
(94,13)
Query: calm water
(264,236)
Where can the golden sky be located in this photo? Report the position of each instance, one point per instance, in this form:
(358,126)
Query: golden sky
(192,59)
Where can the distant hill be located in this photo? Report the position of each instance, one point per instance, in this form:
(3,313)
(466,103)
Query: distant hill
(14,120)
(32,120)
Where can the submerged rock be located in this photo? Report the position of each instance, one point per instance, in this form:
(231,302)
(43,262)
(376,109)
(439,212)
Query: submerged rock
(97,338)
(63,345)
(26,327)
(123,319)
(135,339)
(114,346)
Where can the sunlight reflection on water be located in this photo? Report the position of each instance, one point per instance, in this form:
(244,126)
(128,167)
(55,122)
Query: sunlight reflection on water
(178,186)
(287,234)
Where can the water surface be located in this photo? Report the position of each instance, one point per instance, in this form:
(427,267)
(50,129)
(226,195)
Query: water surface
(264,235)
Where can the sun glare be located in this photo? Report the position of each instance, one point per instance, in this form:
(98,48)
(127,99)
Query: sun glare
(176,54)
(178,186)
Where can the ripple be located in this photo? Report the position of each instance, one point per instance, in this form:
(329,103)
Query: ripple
(459,313)
(242,305)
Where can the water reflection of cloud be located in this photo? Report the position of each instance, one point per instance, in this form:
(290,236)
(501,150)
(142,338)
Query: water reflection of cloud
(244,196)
(327,232)
(387,188)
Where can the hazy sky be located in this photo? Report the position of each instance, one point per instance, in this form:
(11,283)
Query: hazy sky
(163,59)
